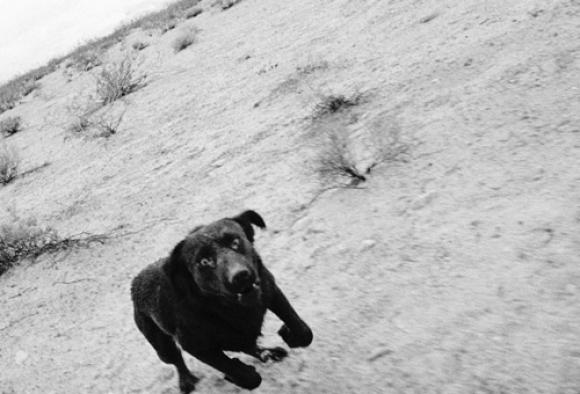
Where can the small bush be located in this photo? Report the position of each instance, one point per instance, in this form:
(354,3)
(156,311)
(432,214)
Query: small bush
(108,124)
(87,117)
(80,124)
(333,104)
(184,40)
(169,25)
(23,239)
(167,18)
(86,60)
(10,125)
(118,80)
(80,110)
(386,143)
(226,4)
(312,67)
(29,86)
(192,12)
(9,97)
(9,161)
(20,240)
(12,92)
(336,160)
(139,45)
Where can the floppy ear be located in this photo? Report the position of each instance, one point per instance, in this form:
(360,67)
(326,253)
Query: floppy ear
(176,270)
(195,229)
(246,219)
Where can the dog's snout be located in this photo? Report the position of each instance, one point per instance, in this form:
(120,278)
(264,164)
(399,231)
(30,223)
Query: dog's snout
(242,280)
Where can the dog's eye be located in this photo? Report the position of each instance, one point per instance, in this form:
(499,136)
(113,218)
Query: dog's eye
(235,245)
(206,262)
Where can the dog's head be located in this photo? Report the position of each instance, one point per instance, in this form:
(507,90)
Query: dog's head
(219,260)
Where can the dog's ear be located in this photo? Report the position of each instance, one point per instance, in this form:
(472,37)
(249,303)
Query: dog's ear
(176,270)
(195,229)
(246,219)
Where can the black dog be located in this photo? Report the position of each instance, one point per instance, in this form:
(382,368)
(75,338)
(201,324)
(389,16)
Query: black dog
(211,295)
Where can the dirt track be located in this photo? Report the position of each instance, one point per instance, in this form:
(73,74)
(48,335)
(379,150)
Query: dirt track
(454,271)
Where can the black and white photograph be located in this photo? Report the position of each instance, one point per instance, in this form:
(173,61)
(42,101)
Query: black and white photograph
(302,197)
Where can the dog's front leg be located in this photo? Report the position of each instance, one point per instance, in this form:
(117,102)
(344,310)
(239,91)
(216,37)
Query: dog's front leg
(236,371)
(295,331)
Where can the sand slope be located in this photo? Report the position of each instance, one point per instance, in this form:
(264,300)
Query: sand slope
(455,270)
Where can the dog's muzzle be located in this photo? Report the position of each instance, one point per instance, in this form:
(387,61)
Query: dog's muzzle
(249,294)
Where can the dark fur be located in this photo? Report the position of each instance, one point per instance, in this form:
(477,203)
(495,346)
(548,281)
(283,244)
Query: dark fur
(178,299)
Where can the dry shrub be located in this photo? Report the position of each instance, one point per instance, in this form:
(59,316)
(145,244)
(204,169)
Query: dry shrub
(9,162)
(10,125)
(334,103)
(13,91)
(108,123)
(192,12)
(80,124)
(139,45)
(118,80)
(86,60)
(103,122)
(225,4)
(168,18)
(184,40)
(22,239)
(337,159)
(386,143)
(9,97)
(80,109)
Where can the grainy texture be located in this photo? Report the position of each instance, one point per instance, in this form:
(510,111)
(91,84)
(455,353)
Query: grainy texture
(453,272)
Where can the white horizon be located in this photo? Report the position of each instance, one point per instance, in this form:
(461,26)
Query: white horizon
(34,31)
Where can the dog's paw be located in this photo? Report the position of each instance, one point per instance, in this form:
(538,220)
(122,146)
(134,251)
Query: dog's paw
(245,376)
(275,354)
(296,338)
(187,383)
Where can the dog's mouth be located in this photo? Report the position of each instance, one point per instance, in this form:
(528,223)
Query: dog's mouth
(249,293)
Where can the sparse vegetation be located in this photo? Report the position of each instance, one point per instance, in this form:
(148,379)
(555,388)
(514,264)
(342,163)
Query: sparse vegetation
(118,80)
(192,12)
(86,61)
(139,45)
(88,117)
(312,67)
(169,25)
(87,56)
(167,18)
(79,124)
(9,162)
(334,103)
(386,143)
(21,239)
(9,97)
(225,4)
(10,125)
(338,161)
(80,110)
(184,40)
(108,124)
(12,92)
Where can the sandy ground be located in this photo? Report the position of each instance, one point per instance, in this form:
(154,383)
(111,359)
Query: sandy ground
(455,270)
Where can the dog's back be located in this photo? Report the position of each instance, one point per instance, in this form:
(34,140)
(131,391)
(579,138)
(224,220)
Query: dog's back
(152,295)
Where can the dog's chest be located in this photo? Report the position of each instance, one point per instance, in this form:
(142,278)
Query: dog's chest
(228,331)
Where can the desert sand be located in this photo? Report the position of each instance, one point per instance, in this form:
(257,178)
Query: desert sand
(454,269)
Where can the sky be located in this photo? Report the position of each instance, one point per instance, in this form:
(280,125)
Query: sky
(35,31)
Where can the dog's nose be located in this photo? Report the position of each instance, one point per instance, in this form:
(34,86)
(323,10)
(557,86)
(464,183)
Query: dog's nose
(242,280)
